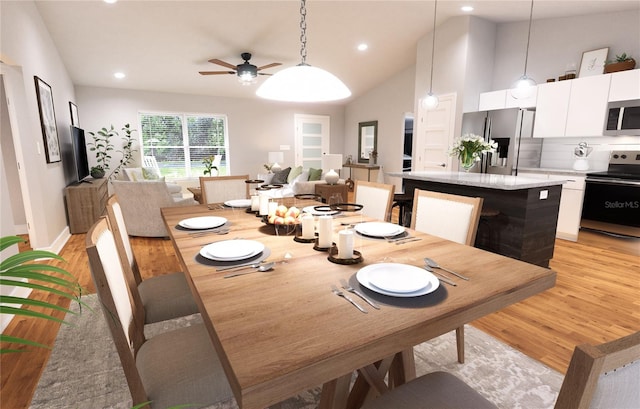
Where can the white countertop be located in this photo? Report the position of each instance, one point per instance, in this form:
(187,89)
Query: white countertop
(557,171)
(502,182)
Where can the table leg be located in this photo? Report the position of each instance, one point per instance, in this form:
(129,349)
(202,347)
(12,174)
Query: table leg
(403,368)
(335,393)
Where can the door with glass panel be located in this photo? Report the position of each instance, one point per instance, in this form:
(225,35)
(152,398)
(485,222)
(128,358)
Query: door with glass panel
(312,140)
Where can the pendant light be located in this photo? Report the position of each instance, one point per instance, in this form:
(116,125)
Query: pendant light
(303,83)
(525,86)
(431,101)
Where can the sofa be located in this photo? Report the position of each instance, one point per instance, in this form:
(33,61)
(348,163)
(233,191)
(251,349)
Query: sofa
(294,181)
(148,173)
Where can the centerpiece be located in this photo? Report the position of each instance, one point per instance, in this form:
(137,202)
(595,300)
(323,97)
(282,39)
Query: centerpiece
(469,149)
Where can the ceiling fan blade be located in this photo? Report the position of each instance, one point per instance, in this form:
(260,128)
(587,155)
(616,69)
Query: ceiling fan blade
(216,72)
(223,63)
(263,73)
(273,64)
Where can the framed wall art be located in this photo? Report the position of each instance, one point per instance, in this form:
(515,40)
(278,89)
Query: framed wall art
(48,121)
(73,109)
(593,62)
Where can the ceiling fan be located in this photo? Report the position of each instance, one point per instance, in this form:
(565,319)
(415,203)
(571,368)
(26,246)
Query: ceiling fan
(246,71)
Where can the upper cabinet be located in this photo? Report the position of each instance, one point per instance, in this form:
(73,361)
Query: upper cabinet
(572,108)
(625,86)
(490,101)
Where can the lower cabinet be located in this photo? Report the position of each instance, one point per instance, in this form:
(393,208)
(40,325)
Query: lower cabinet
(86,202)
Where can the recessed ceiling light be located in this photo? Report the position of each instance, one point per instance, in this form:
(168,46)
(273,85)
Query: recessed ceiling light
(110,1)
(119,75)
(362,47)
(466,8)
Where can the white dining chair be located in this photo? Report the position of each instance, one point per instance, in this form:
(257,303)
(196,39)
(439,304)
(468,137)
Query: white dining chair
(219,189)
(376,199)
(599,376)
(173,368)
(163,297)
(451,217)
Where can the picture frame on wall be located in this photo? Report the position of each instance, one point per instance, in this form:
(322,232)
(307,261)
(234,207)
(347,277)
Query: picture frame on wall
(73,110)
(593,62)
(48,121)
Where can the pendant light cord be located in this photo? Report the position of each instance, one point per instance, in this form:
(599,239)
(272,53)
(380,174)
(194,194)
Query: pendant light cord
(303,32)
(526,57)
(433,46)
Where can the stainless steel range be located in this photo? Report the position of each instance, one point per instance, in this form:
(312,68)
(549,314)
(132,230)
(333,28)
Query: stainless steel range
(612,198)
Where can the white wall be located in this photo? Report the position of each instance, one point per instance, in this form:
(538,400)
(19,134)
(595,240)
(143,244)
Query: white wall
(255,126)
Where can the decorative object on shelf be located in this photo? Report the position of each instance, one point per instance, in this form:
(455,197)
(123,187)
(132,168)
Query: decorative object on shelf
(97,172)
(593,62)
(48,121)
(373,157)
(303,83)
(431,101)
(623,62)
(524,87)
(274,159)
(332,162)
(581,154)
(469,149)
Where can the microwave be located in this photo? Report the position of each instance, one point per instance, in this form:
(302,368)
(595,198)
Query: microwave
(623,118)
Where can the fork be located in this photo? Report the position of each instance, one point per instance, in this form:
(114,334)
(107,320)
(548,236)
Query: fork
(337,292)
(398,239)
(347,287)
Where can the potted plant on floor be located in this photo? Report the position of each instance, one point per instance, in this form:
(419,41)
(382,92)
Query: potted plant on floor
(623,62)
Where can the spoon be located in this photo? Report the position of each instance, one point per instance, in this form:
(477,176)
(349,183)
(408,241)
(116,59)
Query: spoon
(261,269)
(432,263)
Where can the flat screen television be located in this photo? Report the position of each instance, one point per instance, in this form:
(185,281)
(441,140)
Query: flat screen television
(80,153)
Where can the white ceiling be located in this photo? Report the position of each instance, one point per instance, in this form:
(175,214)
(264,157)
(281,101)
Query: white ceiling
(161,45)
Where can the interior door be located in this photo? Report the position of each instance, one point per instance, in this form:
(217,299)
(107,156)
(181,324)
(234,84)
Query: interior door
(312,140)
(434,135)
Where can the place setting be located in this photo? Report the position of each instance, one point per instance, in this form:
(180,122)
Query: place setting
(234,253)
(203,225)
(392,233)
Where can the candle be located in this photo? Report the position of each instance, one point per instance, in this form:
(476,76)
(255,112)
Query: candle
(264,205)
(272,208)
(345,244)
(307,226)
(255,203)
(324,231)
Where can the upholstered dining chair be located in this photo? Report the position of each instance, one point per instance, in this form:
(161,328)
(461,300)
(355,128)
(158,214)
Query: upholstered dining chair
(219,189)
(376,199)
(173,368)
(163,297)
(599,376)
(451,217)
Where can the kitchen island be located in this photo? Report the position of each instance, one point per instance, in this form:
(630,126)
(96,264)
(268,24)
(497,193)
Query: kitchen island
(519,214)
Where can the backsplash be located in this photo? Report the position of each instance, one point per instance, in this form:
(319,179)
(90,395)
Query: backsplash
(557,153)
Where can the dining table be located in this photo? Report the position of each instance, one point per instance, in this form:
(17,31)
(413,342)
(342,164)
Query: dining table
(283,331)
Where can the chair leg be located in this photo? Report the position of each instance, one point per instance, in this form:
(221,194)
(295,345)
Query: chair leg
(460,343)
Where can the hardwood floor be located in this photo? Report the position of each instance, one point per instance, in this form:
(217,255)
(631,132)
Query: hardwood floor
(596,299)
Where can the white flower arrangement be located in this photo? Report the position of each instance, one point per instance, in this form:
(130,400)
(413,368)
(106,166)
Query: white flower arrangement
(469,148)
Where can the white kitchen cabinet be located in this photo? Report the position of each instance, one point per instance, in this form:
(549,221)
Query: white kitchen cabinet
(588,106)
(625,85)
(552,108)
(492,100)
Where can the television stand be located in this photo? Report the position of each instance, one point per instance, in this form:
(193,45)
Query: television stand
(85,203)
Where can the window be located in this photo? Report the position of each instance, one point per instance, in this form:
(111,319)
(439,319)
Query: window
(180,142)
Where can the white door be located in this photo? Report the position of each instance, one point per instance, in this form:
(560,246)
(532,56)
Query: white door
(434,135)
(312,140)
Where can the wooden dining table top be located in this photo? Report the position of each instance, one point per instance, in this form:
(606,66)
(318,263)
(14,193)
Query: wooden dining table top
(281,332)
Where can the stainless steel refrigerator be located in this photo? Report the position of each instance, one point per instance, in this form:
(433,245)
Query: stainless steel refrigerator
(512,129)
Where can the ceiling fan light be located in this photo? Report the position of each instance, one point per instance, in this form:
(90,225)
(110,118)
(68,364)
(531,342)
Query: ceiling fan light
(523,88)
(430,101)
(303,83)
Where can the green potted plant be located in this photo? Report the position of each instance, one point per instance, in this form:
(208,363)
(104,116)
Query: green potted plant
(102,146)
(208,166)
(622,62)
(127,150)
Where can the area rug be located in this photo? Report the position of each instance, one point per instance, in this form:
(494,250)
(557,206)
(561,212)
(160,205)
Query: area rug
(84,369)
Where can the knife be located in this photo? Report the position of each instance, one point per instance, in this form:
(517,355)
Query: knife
(441,276)
(240,266)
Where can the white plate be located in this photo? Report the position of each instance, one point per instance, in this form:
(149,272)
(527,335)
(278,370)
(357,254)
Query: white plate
(204,222)
(314,212)
(379,229)
(232,250)
(401,272)
(238,203)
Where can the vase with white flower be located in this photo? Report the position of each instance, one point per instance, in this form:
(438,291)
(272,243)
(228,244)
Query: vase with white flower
(469,149)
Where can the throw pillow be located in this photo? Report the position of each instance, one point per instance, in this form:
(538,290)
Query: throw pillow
(314,174)
(266,177)
(150,174)
(303,177)
(295,172)
(280,178)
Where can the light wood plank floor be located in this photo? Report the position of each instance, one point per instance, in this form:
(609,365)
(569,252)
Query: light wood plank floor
(596,299)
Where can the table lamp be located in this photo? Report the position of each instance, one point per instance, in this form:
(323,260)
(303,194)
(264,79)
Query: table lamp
(274,159)
(332,162)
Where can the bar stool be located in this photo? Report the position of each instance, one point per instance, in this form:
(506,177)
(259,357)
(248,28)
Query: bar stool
(404,202)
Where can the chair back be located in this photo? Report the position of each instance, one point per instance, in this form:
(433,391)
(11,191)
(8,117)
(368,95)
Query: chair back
(219,189)
(450,217)
(119,229)
(603,376)
(151,162)
(124,317)
(376,199)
